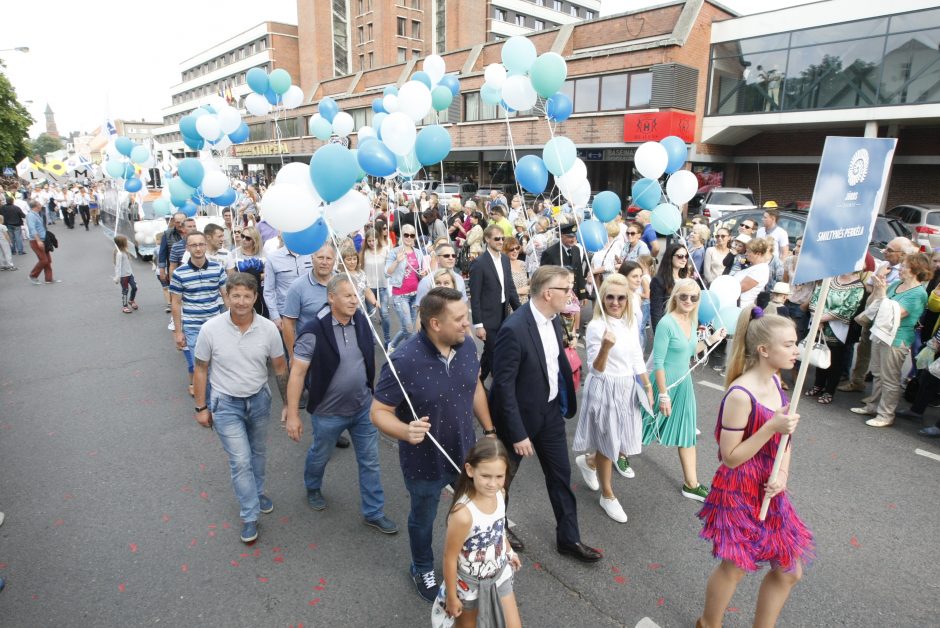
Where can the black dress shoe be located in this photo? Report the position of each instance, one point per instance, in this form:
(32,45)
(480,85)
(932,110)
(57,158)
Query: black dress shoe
(342,442)
(514,541)
(580,551)
(909,414)
(932,431)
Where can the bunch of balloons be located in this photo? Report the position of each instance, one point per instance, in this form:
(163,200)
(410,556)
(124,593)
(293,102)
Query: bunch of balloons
(330,121)
(271,91)
(146,231)
(653,160)
(216,125)
(126,160)
(197,182)
(523,76)
(719,304)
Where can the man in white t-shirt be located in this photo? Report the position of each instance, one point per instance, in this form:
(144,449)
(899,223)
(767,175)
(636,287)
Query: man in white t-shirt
(773,230)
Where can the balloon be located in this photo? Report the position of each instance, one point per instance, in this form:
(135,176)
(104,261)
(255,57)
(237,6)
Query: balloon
(225,199)
(140,154)
(189,209)
(222,143)
(328,109)
(124,146)
(293,97)
(506,107)
(198,112)
(708,307)
(320,128)
(191,171)
(422,77)
(257,104)
(390,103)
(650,159)
(518,54)
(132,185)
(257,80)
(216,103)
(114,168)
(195,143)
(214,183)
(343,124)
(349,213)
(559,107)
(559,155)
(432,144)
(452,83)
(376,159)
(240,134)
(666,219)
(364,133)
(279,81)
(179,191)
(676,152)
(377,106)
(606,206)
(571,179)
(229,119)
(333,170)
(580,194)
(441,98)
(647,193)
(408,165)
(518,93)
(592,234)
(727,289)
(491,95)
(548,74)
(532,174)
(272,97)
(414,100)
(208,128)
(398,132)
(179,203)
(161,207)
(298,173)
(287,207)
(377,121)
(728,318)
(434,67)
(188,126)
(309,240)
(390,89)
(360,173)
(494,74)
(681,186)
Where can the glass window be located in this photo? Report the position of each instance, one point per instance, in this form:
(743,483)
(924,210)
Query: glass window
(839,32)
(471,107)
(585,94)
(415,29)
(568,90)
(574,11)
(844,74)
(401,55)
(499,15)
(371,59)
(360,7)
(910,68)
(402,25)
(915,21)
(416,4)
(259,132)
(589,15)
(614,92)
(747,85)
(539,25)
(362,35)
(641,90)
(556,4)
(415,54)
(520,20)
(369,27)
(361,117)
(290,127)
(748,46)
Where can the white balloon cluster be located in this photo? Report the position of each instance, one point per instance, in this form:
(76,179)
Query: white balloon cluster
(146,231)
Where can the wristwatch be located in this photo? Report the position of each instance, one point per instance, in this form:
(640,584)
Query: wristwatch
(488,432)
(201,408)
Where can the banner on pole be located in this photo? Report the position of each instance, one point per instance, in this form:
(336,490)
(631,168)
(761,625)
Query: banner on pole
(852,178)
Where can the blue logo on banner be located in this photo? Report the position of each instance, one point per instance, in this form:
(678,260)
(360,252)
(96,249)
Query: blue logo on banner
(852,176)
(8,172)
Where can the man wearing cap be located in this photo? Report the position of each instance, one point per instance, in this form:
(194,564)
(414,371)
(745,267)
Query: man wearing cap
(567,254)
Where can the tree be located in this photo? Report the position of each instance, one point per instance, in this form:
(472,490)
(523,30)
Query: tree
(14,124)
(45,144)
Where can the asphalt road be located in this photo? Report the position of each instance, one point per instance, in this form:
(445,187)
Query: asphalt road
(119,509)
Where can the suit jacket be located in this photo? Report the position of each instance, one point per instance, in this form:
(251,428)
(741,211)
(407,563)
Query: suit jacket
(520,378)
(486,303)
(552,256)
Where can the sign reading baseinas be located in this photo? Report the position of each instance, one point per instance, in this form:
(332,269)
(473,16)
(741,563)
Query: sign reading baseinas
(849,189)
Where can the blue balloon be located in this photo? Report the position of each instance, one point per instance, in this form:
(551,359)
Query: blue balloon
(592,234)
(199,198)
(257,80)
(376,159)
(432,144)
(333,170)
(209,108)
(422,77)
(728,318)
(193,142)
(224,199)
(179,203)
(362,173)
(240,134)
(272,97)
(558,107)
(377,120)
(606,206)
(124,146)
(188,126)
(129,171)
(452,83)
(133,185)
(191,171)
(179,191)
(666,219)
(491,95)
(390,90)
(377,106)
(502,103)
(115,168)
(647,193)
(189,209)
(328,109)
(532,174)
(708,306)
(308,241)
(676,151)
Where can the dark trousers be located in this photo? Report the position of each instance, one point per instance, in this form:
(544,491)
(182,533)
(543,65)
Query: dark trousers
(926,392)
(486,358)
(86,215)
(547,433)
(68,215)
(828,378)
(799,317)
(128,285)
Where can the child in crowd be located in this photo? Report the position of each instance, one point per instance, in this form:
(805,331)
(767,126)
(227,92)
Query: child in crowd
(358,277)
(648,264)
(478,562)
(6,254)
(124,274)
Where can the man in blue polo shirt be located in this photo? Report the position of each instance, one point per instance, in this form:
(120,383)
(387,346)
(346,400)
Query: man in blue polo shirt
(439,369)
(649,236)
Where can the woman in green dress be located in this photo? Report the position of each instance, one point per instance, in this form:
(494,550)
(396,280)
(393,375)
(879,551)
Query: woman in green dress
(675,343)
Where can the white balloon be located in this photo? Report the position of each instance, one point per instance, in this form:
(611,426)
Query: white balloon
(348,213)
(651,159)
(208,127)
(435,68)
(216,102)
(414,100)
(681,186)
(495,75)
(570,180)
(390,103)
(727,288)
(214,183)
(364,132)
(222,144)
(298,173)
(149,239)
(165,193)
(229,119)
(256,104)
(519,93)
(343,124)
(580,194)
(399,133)
(293,97)
(288,207)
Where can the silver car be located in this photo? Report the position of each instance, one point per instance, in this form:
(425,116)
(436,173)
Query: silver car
(923,219)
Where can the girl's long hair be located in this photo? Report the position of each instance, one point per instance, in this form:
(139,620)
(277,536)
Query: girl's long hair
(484,450)
(120,244)
(749,334)
(665,267)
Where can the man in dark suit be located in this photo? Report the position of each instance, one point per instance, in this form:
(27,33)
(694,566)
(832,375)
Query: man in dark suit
(568,254)
(491,290)
(532,390)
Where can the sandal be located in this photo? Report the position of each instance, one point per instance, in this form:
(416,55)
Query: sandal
(824,399)
(126,310)
(814,391)
(133,305)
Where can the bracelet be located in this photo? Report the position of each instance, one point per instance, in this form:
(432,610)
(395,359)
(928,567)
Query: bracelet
(488,432)
(664,397)
(650,386)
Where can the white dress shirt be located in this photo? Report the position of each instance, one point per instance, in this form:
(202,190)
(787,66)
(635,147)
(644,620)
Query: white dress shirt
(550,346)
(497,261)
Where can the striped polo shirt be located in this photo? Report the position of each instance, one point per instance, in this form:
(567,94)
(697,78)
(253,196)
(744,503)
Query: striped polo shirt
(199,290)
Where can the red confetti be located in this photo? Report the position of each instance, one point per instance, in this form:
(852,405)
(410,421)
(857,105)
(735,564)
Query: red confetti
(244,555)
(35,597)
(614,569)
(211,534)
(58,522)
(854,541)
(279,558)
(202,467)
(186,488)
(234,563)
(166,518)
(275,549)
(184,567)
(51,433)
(319,587)
(204,495)
(537,566)
(257,552)
(192,543)
(619,579)
(3,565)
(121,587)
(262,579)
(322,580)
(284,520)
(312,546)
(314,601)
(92,453)
(655,566)
(133,547)
(892,506)
(834,456)
(733,609)
(68,496)
(661,601)
(212,526)
(226,526)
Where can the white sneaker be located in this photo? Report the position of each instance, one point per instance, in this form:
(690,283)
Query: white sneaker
(589,474)
(171,326)
(622,465)
(613,509)
(863,411)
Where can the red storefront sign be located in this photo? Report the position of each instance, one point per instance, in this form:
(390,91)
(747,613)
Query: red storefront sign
(652,127)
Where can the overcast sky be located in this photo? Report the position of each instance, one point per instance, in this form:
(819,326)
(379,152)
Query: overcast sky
(109,58)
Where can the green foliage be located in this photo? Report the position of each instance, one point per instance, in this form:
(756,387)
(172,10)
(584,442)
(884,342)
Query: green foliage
(45,144)
(14,124)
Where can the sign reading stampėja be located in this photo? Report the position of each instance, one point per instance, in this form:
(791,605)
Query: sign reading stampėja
(851,183)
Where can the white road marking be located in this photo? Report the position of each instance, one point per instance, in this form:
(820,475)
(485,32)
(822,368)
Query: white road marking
(927,454)
(646,622)
(711,385)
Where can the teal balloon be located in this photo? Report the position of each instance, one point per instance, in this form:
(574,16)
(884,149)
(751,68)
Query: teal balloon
(328,109)
(257,80)
(606,206)
(708,306)
(532,174)
(666,219)
(422,77)
(362,173)
(377,121)
(728,318)
(194,142)
(452,83)
(376,159)
(408,165)
(491,95)
(279,80)
(390,90)
(191,172)
(308,241)
(179,191)
(559,155)
(224,199)
(676,151)
(129,171)
(432,144)
(333,170)
(114,168)
(161,207)
(441,98)
(240,134)
(140,154)
(518,55)
(133,185)
(189,209)
(320,128)
(592,234)
(647,193)
(548,74)
(124,146)
(188,126)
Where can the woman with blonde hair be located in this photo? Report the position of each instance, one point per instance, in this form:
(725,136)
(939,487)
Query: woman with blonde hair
(444,278)
(520,278)
(372,258)
(249,258)
(699,236)
(755,276)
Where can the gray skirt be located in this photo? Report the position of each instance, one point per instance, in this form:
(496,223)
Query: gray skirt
(610,421)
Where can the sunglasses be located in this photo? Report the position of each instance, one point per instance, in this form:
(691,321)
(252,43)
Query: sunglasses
(688,297)
(633,233)
(447,255)
(497,239)
(721,237)
(618,298)
(747,226)
(407,235)
(681,256)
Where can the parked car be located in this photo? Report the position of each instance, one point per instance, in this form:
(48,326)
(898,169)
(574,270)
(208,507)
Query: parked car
(463,191)
(412,189)
(720,201)
(923,219)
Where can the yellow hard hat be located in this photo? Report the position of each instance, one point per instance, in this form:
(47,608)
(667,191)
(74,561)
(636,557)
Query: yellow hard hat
(770,205)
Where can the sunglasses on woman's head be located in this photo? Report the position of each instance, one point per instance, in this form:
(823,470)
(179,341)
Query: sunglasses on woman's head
(688,297)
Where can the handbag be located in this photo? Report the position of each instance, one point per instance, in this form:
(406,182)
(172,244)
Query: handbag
(924,358)
(819,356)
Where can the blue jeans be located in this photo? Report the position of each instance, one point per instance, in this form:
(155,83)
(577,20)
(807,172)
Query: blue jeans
(242,426)
(644,321)
(189,352)
(16,233)
(406,306)
(365,439)
(384,297)
(425,497)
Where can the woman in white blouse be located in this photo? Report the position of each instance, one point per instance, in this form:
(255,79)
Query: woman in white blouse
(756,274)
